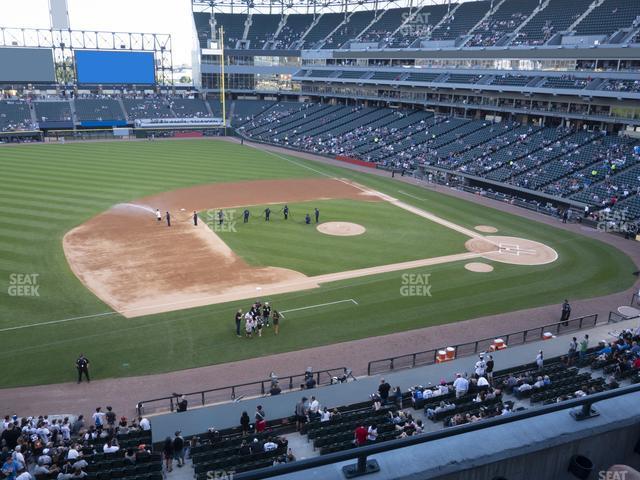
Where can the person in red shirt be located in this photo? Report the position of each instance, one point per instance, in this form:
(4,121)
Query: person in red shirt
(361,435)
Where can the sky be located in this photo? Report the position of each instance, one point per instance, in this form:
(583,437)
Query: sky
(152,16)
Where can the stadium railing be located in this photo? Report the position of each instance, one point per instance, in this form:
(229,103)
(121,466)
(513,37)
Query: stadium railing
(581,408)
(239,391)
(429,357)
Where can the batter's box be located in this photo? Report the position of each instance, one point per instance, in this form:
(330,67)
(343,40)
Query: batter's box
(514,249)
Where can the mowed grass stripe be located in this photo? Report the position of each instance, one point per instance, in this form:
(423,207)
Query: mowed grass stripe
(85,179)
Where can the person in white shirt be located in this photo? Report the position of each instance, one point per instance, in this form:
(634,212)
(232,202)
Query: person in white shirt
(372,433)
(24,475)
(480,367)
(461,385)
(483,383)
(314,406)
(270,446)
(110,448)
(65,431)
(540,360)
(325,416)
(72,454)
(144,424)
(18,457)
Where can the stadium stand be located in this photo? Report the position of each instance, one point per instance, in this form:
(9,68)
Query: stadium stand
(418,25)
(557,16)
(464,18)
(294,28)
(387,22)
(262,29)
(188,107)
(507,18)
(233,25)
(326,23)
(608,17)
(149,108)
(203,28)
(15,115)
(94,109)
(356,23)
(53,111)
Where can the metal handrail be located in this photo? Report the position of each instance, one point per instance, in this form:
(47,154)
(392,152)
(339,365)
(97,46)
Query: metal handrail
(234,392)
(585,404)
(428,357)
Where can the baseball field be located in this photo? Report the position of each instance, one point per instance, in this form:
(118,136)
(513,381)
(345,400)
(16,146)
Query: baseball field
(86,267)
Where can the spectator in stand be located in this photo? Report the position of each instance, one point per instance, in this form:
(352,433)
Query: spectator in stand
(383,391)
(178,448)
(260,418)
(573,351)
(461,385)
(489,369)
(167,453)
(245,421)
(360,435)
(540,360)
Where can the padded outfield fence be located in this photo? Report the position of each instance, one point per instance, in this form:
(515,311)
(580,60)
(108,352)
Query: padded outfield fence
(429,357)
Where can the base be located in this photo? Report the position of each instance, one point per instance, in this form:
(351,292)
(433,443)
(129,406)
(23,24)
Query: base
(580,414)
(351,471)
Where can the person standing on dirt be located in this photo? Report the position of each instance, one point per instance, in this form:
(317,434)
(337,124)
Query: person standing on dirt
(82,365)
(168,216)
(195,218)
(158,215)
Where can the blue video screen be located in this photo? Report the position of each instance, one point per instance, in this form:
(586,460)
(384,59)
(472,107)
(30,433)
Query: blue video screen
(119,68)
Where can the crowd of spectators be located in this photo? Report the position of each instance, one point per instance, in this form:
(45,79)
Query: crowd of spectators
(63,448)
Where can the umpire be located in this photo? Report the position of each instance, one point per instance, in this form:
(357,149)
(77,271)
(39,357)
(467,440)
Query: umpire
(82,365)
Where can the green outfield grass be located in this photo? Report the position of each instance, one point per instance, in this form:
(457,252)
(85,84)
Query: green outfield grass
(393,235)
(45,190)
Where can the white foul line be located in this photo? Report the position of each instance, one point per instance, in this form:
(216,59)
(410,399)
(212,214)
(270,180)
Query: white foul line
(319,305)
(52,322)
(19,327)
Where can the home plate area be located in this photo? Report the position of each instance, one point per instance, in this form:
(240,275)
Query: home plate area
(512,250)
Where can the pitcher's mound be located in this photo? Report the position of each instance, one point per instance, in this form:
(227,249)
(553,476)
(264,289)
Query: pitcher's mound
(341,229)
(479,267)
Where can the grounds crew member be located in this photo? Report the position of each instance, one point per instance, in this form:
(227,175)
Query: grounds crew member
(195,218)
(220,217)
(158,214)
(82,365)
(317,212)
(307,219)
(285,210)
(267,212)
(168,215)
(245,215)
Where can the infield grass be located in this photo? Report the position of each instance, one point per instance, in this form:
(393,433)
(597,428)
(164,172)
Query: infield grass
(392,235)
(46,190)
